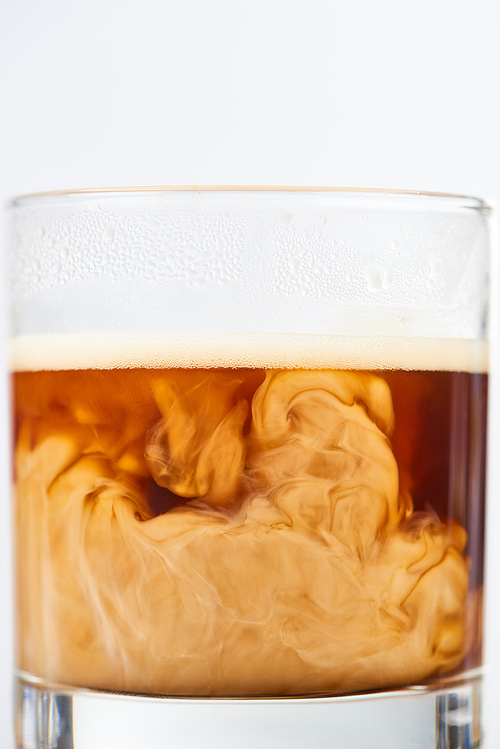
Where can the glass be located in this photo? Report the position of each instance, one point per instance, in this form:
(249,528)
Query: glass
(249,458)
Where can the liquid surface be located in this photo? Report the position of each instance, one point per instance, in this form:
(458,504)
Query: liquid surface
(249,531)
(254,350)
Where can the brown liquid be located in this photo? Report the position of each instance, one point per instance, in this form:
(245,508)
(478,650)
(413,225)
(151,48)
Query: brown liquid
(237,532)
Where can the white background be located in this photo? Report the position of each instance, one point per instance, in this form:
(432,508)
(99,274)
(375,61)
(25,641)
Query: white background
(373,93)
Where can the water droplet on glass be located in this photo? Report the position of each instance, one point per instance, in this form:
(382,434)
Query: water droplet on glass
(108,234)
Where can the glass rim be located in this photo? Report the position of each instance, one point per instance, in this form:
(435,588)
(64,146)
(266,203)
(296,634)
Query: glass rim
(465,201)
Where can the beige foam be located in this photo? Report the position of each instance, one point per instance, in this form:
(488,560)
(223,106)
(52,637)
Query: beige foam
(254,350)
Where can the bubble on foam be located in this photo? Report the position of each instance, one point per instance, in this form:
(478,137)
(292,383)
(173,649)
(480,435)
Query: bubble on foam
(253,350)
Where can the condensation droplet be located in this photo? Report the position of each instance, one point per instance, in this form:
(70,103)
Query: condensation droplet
(373,278)
(108,234)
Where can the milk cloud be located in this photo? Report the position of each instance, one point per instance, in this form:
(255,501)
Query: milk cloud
(228,531)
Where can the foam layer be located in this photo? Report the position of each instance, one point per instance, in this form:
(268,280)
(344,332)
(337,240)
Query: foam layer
(254,350)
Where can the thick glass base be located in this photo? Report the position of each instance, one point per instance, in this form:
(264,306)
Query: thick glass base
(55,717)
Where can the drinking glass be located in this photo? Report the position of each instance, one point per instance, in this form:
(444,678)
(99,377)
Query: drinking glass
(249,433)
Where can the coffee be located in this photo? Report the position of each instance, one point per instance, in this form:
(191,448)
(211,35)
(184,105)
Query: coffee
(249,530)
